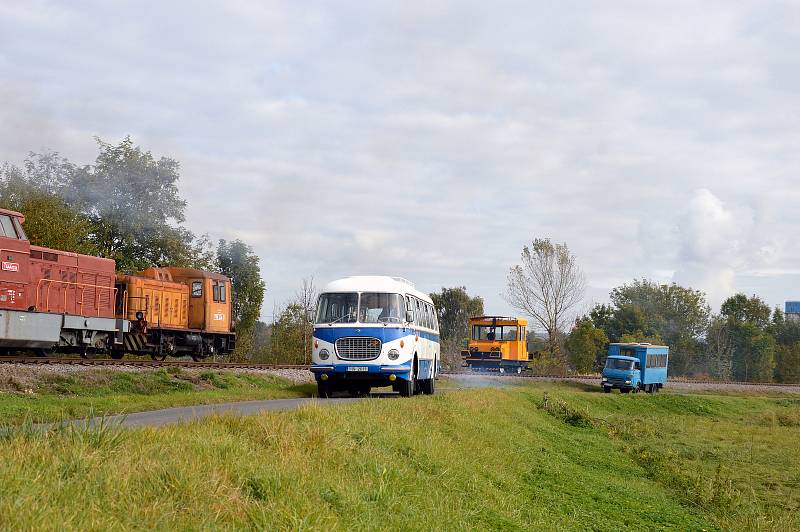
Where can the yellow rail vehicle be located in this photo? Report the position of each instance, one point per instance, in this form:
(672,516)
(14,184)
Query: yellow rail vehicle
(497,343)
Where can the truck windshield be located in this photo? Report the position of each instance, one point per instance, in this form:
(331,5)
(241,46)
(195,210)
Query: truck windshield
(619,363)
(337,307)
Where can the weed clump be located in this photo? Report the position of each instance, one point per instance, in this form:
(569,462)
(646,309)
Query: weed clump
(559,409)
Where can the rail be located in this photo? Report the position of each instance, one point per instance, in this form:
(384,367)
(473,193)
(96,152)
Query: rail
(40,361)
(77,286)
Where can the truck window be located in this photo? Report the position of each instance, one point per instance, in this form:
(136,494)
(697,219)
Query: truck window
(619,363)
(197,288)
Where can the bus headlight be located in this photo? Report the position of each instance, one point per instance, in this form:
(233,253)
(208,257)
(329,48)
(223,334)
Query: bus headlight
(394,354)
(323,354)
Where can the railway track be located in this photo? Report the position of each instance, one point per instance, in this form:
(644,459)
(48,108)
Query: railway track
(39,361)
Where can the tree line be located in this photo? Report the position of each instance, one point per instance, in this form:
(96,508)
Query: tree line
(126,206)
(745,341)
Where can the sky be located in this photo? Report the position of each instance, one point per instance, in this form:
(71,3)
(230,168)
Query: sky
(433,140)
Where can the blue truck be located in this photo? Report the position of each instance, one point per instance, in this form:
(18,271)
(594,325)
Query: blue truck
(631,367)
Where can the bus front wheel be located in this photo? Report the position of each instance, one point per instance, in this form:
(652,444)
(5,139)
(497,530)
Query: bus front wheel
(406,387)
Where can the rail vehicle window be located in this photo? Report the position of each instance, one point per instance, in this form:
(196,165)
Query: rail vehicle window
(20,232)
(619,363)
(501,333)
(341,307)
(222,294)
(380,308)
(7,227)
(215,290)
(197,288)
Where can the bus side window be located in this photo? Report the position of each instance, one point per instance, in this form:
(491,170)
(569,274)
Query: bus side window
(410,307)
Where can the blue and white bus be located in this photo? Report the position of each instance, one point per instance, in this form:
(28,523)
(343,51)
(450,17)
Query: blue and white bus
(373,331)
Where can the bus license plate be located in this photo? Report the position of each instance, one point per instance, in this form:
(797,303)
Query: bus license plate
(357,368)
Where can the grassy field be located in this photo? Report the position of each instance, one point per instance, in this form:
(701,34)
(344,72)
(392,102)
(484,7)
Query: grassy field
(48,396)
(544,456)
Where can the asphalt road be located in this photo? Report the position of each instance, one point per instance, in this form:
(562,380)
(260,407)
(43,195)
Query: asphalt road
(157,418)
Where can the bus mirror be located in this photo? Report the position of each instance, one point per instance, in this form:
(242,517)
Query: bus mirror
(409,316)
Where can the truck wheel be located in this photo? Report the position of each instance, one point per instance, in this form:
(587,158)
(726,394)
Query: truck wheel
(624,390)
(427,386)
(606,389)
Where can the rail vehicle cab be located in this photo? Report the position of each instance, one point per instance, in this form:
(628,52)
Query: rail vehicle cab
(497,343)
(631,367)
(15,254)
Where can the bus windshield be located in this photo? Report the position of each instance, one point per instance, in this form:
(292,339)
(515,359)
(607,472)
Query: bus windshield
(499,333)
(619,363)
(381,308)
(337,308)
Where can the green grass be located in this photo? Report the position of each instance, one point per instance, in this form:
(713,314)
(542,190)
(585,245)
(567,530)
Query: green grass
(52,397)
(511,459)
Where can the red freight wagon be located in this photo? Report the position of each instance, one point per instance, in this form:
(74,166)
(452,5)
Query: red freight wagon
(50,297)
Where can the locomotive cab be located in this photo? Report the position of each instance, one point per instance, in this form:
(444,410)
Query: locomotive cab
(497,343)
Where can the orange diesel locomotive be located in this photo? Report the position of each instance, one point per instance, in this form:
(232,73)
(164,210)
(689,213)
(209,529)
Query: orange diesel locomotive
(56,300)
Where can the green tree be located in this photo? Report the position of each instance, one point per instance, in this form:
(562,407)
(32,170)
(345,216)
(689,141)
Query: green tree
(586,345)
(787,363)
(741,308)
(751,337)
(676,314)
(289,342)
(49,221)
(237,261)
(454,307)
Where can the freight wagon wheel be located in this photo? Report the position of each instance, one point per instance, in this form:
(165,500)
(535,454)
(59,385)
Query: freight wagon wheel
(502,370)
(519,370)
(117,355)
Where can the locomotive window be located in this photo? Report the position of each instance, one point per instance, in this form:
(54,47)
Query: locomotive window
(7,227)
(215,290)
(197,288)
(222,294)
(18,226)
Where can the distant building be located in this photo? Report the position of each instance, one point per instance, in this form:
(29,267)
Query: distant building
(793,310)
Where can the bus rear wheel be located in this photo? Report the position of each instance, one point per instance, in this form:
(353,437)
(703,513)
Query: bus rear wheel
(427,386)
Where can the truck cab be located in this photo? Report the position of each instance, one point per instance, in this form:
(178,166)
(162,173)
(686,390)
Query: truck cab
(631,367)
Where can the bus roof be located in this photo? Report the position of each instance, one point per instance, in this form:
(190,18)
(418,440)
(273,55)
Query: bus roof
(638,344)
(375,283)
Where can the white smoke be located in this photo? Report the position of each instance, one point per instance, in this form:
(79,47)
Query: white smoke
(717,240)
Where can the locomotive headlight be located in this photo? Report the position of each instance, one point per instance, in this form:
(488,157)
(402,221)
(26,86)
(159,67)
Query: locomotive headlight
(394,354)
(323,354)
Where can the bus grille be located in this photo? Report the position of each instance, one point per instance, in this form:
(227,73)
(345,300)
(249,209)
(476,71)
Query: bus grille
(358,348)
